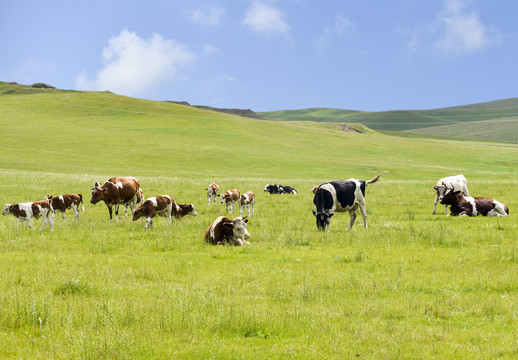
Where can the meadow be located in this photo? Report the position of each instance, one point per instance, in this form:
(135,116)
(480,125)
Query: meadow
(415,286)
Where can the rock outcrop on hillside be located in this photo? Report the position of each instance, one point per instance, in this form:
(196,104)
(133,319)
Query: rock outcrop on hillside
(238,112)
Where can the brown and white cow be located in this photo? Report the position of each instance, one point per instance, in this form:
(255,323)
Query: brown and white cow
(229,198)
(180,210)
(116,191)
(63,202)
(212,193)
(455,183)
(227,231)
(27,211)
(140,199)
(461,205)
(246,201)
(156,205)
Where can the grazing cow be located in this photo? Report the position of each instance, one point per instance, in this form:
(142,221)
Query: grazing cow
(455,183)
(63,202)
(212,193)
(157,205)
(116,191)
(225,230)
(140,199)
(461,205)
(341,195)
(180,210)
(280,189)
(229,197)
(27,211)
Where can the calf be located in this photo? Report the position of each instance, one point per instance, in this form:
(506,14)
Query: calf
(341,195)
(180,210)
(225,230)
(116,191)
(455,183)
(245,201)
(157,205)
(229,198)
(461,205)
(63,202)
(212,193)
(27,211)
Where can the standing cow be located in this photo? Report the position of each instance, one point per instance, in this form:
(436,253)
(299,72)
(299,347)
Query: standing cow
(229,198)
(27,211)
(455,183)
(116,191)
(157,205)
(212,193)
(341,195)
(63,202)
(246,201)
(461,205)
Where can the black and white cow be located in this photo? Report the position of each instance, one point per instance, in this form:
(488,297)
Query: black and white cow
(280,189)
(340,196)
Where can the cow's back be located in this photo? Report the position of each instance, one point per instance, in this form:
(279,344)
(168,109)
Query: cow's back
(127,187)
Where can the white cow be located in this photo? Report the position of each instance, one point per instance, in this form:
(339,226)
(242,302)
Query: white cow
(454,183)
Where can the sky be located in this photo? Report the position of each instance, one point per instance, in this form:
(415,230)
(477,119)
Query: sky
(268,55)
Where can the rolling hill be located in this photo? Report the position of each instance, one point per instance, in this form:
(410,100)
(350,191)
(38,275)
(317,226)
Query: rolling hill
(495,120)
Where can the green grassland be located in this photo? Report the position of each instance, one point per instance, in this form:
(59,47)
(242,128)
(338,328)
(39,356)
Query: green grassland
(495,120)
(415,286)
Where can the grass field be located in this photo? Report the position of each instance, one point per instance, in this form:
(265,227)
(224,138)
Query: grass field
(494,120)
(415,286)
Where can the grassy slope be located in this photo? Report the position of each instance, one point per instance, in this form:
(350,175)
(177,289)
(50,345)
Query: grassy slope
(414,286)
(460,121)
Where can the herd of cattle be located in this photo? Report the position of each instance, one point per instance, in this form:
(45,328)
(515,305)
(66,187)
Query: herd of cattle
(335,196)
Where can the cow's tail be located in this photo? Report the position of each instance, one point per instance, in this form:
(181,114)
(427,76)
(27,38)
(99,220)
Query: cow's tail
(376,178)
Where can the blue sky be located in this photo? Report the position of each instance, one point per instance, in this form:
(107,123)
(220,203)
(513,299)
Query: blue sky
(269,55)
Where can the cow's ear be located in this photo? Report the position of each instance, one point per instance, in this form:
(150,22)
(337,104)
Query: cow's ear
(245,220)
(435,187)
(228,225)
(458,192)
(314,213)
(330,215)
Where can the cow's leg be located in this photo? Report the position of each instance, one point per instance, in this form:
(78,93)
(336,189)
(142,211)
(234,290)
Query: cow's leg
(76,212)
(209,198)
(29,223)
(63,215)
(435,203)
(253,208)
(241,210)
(45,220)
(364,216)
(445,209)
(169,210)
(352,215)
(117,211)
(110,211)
(232,207)
(149,221)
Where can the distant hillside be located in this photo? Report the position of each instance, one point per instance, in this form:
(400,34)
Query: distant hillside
(495,120)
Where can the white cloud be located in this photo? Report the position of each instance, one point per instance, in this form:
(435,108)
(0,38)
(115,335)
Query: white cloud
(266,19)
(455,31)
(133,65)
(209,17)
(341,27)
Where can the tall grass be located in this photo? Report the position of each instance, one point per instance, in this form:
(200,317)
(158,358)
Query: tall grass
(416,285)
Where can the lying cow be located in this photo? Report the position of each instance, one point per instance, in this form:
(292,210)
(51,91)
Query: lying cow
(246,201)
(180,210)
(63,202)
(461,205)
(212,193)
(280,189)
(27,211)
(227,231)
(341,195)
(455,183)
(157,205)
(229,198)
(116,191)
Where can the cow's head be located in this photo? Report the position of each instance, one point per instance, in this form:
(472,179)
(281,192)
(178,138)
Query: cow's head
(323,220)
(47,198)
(450,197)
(7,209)
(98,194)
(138,213)
(440,190)
(225,196)
(239,230)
